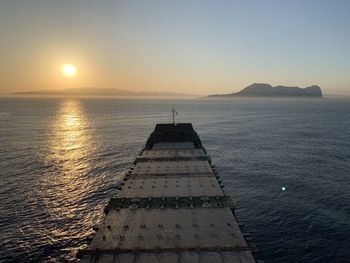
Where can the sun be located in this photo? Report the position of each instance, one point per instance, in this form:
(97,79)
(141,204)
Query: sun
(69,70)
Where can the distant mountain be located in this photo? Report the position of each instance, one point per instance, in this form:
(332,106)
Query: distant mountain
(266,90)
(102,92)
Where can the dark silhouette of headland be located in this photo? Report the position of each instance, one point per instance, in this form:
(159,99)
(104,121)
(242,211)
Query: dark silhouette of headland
(266,90)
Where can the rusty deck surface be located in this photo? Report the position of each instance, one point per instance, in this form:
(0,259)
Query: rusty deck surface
(171,208)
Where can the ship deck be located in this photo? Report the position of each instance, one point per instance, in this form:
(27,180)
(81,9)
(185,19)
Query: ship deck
(171,208)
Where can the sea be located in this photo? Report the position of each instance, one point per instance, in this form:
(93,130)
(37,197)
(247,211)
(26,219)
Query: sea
(285,161)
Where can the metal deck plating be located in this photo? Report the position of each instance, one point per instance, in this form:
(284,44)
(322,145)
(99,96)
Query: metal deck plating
(170,208)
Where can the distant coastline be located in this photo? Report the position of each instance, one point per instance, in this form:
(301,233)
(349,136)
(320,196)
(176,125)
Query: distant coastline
(254,90)
(266,90)
(100,92)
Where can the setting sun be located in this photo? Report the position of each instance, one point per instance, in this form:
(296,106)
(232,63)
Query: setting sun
(69,70)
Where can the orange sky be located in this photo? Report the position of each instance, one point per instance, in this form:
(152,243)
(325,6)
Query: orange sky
(196,47)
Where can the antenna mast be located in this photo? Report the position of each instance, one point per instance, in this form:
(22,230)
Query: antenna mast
(174,112)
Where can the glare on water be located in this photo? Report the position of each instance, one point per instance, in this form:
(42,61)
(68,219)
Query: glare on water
(71,150)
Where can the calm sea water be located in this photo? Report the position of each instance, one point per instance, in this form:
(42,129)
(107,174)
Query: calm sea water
(60,160)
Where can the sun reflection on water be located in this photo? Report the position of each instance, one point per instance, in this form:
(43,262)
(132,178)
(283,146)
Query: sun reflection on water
(71,146)
(66,188)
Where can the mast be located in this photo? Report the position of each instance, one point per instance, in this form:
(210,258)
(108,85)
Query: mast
(174,112)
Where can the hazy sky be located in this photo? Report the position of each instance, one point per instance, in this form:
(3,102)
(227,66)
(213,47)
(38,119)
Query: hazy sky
(197,47)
